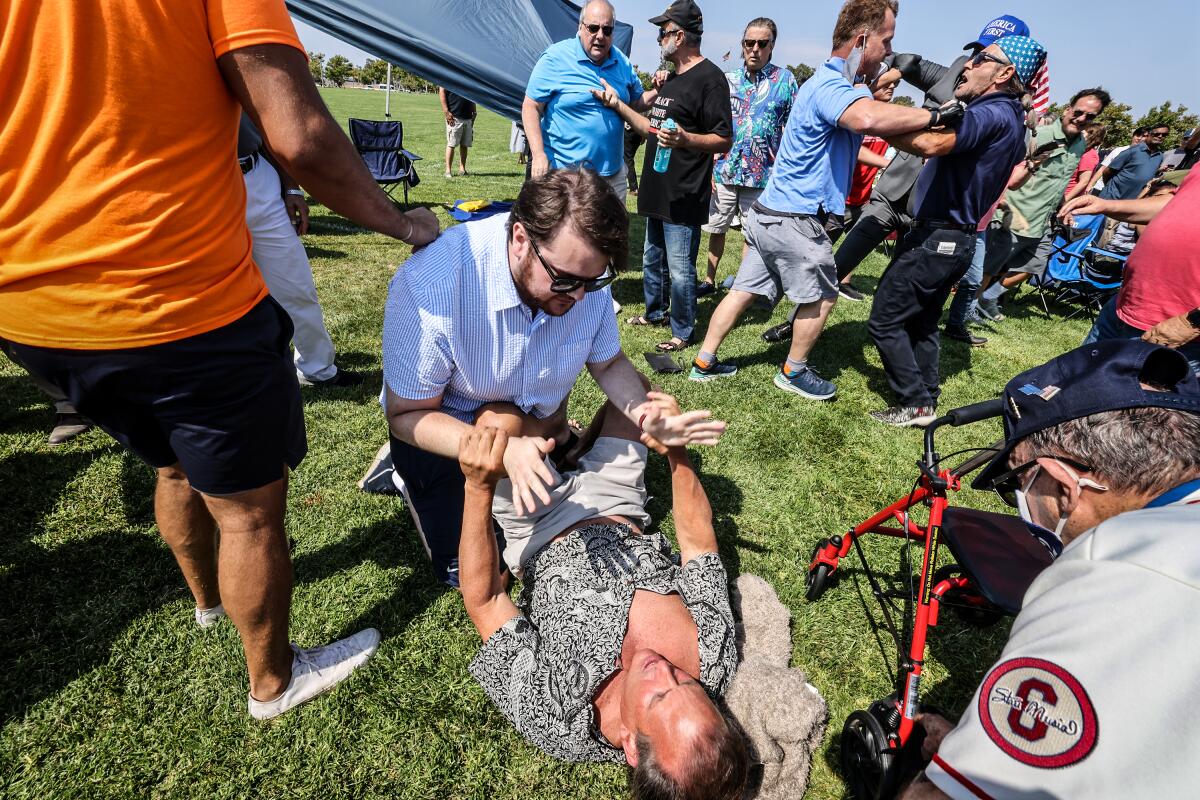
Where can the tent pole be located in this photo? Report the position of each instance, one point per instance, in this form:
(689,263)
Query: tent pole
(387,96)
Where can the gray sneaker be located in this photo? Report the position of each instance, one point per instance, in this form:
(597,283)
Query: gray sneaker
(318,670)
(906,416)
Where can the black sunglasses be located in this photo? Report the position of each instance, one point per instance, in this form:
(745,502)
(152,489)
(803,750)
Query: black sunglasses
(750,43)
(982,57)
(565,284)
(608,29)
(1087,116)
(664,32)
(1006,484)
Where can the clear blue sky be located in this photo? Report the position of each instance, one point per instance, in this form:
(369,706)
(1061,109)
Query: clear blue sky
(1144,53)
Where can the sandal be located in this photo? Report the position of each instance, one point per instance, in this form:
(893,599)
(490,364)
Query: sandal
(672,345)
(642,319)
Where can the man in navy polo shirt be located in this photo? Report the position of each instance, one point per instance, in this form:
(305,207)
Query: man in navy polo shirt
(1129,172)
(967,170)
(565,124)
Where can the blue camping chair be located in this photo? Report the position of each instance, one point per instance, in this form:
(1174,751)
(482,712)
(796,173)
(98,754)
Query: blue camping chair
(1079,273)
(381,144)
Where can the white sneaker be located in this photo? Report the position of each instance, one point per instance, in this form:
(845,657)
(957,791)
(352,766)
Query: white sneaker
(207,617)
(318,670)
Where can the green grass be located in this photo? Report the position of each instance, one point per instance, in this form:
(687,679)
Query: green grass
(109,689)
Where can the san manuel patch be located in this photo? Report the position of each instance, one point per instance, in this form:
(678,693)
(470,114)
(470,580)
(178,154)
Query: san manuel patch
(1038,713)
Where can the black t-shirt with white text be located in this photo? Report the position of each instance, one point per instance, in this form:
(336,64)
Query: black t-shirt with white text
(698,101)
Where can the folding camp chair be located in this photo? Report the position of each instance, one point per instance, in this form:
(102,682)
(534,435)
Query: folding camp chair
(381,144)
(1078,272)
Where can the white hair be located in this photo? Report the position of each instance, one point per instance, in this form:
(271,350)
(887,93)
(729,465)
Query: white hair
(590,3)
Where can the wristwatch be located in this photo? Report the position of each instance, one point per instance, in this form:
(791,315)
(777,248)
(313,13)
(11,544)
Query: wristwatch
(294,192)
(1193,318)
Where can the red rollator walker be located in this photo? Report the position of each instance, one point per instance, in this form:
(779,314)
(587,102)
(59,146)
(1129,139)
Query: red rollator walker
(996,557)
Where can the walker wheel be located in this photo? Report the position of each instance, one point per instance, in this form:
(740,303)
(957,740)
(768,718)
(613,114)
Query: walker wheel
(971,607)
(816,581)
(868,762)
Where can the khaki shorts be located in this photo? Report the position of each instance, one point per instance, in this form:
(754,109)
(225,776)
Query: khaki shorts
(461,133)
(726,201)
(610,481)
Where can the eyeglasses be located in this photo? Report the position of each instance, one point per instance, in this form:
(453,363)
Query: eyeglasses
(665,32)
(565,284)
(594,29)
(749,44)
(981,57)
(1086,116)
(1006,484)
(1157,134)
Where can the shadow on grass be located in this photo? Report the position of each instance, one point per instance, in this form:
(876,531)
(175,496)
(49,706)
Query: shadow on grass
(25,409)
(366,365)
(389,544)
(323,252)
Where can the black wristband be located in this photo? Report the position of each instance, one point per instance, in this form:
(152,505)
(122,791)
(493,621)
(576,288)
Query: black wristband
(934,116)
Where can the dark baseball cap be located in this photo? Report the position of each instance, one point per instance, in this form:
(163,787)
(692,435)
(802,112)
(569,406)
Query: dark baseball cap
(1098,377)
(998,28)
(683,13)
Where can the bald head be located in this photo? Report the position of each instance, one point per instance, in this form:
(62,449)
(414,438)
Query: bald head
(597,17)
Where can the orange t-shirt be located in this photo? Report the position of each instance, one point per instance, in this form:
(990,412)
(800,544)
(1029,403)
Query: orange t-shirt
(122,209)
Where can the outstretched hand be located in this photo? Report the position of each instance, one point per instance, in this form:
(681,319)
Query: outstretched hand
(607,96)
(664,426)
(525,463)
(1083,206)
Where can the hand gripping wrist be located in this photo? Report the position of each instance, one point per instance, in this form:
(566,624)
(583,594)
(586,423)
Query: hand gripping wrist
(407,238)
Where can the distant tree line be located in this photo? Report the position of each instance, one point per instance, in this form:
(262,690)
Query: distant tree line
(338,70)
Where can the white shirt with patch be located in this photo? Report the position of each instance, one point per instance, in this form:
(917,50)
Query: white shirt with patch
(1095,694)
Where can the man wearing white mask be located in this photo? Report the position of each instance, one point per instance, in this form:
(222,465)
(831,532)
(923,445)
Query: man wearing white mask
(1097,681)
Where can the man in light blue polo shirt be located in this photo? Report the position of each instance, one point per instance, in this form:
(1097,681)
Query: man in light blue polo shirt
(509,310)
(564,123)
(789,250)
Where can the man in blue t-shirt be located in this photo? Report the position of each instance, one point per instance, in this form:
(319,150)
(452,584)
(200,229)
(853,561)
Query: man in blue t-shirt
(564,123)
(1129,172)
(790,252)
(967,170)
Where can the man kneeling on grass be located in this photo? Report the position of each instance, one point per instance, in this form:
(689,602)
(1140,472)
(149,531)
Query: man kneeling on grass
(614,651)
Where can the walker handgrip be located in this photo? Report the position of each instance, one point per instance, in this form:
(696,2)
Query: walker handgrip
(975,412)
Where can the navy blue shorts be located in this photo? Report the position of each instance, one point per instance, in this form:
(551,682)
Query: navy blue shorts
(225,405)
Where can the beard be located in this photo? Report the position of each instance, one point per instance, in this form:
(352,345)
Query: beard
(668,50)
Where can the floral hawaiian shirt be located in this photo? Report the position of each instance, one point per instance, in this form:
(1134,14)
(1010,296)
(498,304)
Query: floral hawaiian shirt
(760,109)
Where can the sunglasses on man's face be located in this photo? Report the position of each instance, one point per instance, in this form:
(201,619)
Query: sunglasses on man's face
(594,29)
(1006,484)
(981,57)
(665,32)
(561,283)
(762,44)
(1156,134)
(1086,116)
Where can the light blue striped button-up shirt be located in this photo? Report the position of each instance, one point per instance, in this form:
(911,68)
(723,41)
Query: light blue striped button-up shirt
(455,326)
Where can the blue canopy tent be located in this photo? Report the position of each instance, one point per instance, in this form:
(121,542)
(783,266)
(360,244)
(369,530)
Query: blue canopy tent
(483,50)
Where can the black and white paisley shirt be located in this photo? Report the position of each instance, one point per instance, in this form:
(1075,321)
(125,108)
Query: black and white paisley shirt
(544,667)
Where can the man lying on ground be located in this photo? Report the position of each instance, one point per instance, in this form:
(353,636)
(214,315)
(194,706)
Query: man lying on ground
(613,652)
(1093,694)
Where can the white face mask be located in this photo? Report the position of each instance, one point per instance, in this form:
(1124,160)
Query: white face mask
(854,61)
(1052,539)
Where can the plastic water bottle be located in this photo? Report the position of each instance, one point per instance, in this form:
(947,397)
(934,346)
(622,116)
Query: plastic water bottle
(662,158)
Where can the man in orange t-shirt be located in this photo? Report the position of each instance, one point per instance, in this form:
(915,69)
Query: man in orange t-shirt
(126,276)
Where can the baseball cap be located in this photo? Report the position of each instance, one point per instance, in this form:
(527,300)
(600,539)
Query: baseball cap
(1025,54)
(998,28)
(1098,377)
(684,13)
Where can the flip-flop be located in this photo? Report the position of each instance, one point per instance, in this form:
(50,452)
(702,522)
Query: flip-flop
(642,319)
(671,346)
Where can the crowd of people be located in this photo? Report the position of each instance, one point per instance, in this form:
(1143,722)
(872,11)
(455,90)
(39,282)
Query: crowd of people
(142,292)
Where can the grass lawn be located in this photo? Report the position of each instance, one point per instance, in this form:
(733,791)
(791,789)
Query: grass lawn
(110,690)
